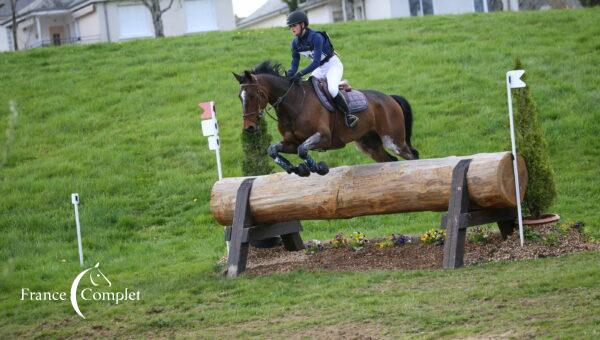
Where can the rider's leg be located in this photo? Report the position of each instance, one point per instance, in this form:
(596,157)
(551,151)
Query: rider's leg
(334,72)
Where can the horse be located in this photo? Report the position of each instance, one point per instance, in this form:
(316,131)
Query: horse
(305,124)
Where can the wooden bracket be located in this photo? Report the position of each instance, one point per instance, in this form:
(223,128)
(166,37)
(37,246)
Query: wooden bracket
(460,217)
(243,231)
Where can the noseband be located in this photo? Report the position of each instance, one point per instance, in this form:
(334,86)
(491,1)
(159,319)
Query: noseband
(259,112)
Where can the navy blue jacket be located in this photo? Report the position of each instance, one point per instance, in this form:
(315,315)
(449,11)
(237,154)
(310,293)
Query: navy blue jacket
(314,45)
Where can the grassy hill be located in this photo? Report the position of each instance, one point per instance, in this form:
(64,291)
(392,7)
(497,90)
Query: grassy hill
(118,123)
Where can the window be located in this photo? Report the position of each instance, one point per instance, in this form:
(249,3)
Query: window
(135,22)
(358,13)
(353,11)
(488,5)
(56,39)
(10,39)
(421,7)
(200,15)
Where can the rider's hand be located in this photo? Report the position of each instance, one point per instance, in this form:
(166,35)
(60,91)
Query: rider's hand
(296,78)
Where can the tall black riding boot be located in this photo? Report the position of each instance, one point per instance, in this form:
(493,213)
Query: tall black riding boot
(350,119)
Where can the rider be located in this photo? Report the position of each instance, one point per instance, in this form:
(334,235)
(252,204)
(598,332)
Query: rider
(325,62)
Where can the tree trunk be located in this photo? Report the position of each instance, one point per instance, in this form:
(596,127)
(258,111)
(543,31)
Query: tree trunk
(156,13)
(158,27)
(372,189)
(13,6)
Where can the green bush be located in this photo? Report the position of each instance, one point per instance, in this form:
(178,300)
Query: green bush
(531,144)
(590,3)
(254,145)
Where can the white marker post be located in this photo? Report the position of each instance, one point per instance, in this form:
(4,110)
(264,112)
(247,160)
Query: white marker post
(513,81)
(210,129)
(75,201)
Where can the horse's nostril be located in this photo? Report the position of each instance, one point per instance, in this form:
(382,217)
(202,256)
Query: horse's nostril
(251,128)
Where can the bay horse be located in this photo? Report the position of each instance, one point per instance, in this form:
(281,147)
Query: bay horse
(306,124)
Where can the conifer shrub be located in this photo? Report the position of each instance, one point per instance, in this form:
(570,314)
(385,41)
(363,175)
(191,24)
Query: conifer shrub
(256,161)
(531,144)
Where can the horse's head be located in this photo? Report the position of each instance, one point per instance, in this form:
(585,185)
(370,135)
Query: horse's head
(253,99)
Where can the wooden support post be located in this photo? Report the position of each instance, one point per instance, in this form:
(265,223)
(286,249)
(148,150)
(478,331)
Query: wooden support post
(238,249)
(242,232)
(454,245)
(460,217)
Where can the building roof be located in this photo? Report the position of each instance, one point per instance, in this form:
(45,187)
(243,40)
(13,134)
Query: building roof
(271,8)
(26,7)
(6,11)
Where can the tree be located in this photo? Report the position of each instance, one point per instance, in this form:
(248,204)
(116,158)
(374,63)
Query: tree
(590,3)
(156,13)
(541,190)
(292,4)
(13,9)
(254,145)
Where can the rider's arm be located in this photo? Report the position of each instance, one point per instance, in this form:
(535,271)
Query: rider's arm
(317,41)
(295,60)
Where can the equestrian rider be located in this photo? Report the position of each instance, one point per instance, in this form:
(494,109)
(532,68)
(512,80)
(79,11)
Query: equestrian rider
(325,62)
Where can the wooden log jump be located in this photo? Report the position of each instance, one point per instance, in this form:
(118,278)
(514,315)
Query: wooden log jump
(265,204)
(371,189)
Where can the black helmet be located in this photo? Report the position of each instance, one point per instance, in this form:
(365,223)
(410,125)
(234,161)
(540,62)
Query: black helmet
(297,17)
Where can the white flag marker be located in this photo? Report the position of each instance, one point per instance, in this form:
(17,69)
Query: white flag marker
(75,201)
(210,129)
(513,81)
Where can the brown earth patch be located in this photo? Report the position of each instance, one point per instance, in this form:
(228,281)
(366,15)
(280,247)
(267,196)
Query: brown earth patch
(418,255)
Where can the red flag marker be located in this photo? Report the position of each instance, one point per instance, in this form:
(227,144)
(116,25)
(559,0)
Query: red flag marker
(209,110)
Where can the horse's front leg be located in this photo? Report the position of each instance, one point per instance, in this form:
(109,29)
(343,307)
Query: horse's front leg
(316,141)
(285,147)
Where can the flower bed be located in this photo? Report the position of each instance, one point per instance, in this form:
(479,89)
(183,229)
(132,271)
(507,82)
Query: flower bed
(551,240)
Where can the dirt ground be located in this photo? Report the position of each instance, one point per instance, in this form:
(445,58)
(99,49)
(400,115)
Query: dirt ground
(544,241)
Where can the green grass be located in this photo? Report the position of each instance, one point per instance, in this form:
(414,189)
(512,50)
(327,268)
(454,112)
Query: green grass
(118,123)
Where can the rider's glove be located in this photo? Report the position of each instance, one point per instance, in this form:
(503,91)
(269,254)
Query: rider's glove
(296,78)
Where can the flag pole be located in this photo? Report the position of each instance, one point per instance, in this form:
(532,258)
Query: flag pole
(511,77)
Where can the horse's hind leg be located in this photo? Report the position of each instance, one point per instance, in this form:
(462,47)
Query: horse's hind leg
(399,147)
(371,145)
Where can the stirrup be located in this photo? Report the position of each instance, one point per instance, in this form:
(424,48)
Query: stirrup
(351,120)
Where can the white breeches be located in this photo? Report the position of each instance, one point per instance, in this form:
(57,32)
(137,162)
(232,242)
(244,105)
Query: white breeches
(333,70)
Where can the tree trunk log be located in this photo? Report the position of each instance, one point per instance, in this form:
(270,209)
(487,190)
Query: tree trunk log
(372,189)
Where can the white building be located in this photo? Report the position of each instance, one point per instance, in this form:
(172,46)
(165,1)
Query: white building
(274,12)
(56,22)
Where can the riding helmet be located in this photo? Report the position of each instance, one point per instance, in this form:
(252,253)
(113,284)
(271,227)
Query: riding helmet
(297,17)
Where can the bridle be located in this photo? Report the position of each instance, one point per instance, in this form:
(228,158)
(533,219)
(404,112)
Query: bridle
(258,112)
(275,105)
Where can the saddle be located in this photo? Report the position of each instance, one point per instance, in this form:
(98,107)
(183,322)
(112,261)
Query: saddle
(357,101)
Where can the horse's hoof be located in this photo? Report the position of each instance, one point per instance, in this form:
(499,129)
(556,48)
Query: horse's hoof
(302,170)
(322,168)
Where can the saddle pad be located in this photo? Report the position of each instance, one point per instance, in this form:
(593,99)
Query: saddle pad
(357,101)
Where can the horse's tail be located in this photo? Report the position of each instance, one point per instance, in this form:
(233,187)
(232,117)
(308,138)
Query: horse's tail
(408,121)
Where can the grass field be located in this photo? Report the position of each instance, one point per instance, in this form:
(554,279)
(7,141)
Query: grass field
(118,123)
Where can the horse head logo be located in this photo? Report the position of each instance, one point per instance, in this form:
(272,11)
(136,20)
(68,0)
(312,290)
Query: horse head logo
(96,277)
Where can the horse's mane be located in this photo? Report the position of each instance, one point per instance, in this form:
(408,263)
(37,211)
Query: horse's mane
(268,67)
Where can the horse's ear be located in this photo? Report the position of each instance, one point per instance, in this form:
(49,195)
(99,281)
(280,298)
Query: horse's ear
(238,77)
(249,76)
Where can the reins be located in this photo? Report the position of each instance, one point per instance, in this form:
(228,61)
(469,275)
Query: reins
(274,105)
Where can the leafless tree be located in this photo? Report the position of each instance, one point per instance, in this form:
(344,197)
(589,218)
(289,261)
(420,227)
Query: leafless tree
(292,4)
(156,12)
